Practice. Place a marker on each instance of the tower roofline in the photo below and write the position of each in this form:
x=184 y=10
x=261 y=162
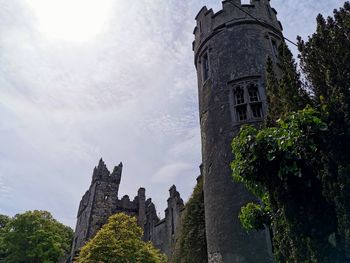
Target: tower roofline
x=234 y=13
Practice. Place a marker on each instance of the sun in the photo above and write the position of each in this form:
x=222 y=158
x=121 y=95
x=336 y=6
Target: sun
x=71 y=20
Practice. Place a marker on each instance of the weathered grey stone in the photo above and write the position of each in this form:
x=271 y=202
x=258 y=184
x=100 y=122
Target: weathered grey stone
x=231 y=50
x=101 y=201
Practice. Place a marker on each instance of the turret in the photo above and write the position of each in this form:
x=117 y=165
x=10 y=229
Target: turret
x=231 y=48
x=98 y=204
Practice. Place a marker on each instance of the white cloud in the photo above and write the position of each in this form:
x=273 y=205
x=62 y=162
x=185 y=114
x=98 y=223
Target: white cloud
x=170 y=172
x=129 y=94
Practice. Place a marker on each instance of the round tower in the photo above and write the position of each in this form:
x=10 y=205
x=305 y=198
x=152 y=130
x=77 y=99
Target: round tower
x=231 y=48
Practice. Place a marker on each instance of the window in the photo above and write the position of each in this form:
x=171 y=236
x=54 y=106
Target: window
x=241 y=113
x=205 y=67
x=253 y=92
x=274 y=47
x=239 y=95
x=247 y=101
x=172 y=222
x=256 y=111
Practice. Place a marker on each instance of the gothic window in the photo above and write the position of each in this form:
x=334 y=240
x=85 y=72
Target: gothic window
x=253 y=92
x=205 y=66
x=239 y=95
x=256 y=110
x=241 y=113
x=247 y=101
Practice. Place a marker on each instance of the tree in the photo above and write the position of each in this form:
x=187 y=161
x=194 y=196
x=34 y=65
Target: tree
x=325 y=61
x=287 y=93
x=4 y=221
x=35 y=237
x=280 y=165
x=192 y=244
x=119 y=241
x=298 y=164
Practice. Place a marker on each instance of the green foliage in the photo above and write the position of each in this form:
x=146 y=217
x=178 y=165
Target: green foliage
x=4 y=221
x=192 y=244
x=119 y=241
x=281 y=165
x=287 y=93
x=34 y=236
x=254 y=216
x=325 y=61
x=298 y=165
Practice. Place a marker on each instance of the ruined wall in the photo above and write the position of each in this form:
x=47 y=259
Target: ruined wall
x=165 y=231
x=231 y=49
x=101 y=201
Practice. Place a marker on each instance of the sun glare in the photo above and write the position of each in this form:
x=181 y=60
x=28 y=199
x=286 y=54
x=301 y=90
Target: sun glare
x=71 y=20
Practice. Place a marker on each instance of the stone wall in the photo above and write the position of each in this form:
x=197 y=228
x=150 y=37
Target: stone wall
x=101 y=201
x=230 y=51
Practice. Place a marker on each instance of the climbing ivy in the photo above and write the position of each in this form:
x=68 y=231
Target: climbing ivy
x=191 y=244
x=298 y=165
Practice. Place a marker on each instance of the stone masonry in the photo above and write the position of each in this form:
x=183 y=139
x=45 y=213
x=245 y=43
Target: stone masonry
x=231 y=48
x=101 y=201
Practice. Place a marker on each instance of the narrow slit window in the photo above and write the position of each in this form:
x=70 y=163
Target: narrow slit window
x=172 y=222
x=239 y=95
x=205 y=66
x=242 y=113
x=257 y=111
x=253 y=93
x=274 y=47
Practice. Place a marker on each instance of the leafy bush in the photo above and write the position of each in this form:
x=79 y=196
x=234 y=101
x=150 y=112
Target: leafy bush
x=34 y=236
x=119 y=241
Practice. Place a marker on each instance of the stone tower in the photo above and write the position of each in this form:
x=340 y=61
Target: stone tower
x=97 y=204
x=231 y=49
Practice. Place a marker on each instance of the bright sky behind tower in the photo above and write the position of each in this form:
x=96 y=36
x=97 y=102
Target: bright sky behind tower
x=84 y=79
x=71 y=20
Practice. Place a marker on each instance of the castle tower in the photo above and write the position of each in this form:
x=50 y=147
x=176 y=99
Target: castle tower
x=231 y=49
x=97 y=204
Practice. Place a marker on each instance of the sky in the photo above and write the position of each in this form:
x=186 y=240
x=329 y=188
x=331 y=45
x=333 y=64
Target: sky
x=85 y=79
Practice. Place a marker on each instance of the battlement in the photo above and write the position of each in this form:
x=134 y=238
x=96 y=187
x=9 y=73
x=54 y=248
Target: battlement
x=233 y=12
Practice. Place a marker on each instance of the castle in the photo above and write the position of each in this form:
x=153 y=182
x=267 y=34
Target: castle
x=101 y=201
x=231 y=48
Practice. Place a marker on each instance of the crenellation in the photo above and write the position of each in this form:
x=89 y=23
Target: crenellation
x=233 y=12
